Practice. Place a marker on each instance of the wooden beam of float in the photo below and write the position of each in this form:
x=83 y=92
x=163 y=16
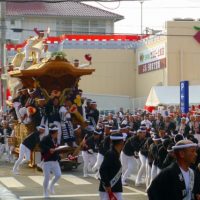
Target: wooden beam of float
x=53 y=74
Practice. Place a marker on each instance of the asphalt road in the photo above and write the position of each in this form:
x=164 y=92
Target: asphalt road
x=72 y=186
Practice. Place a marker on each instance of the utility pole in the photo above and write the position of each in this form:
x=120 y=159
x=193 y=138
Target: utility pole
x=3 y=56
x=141 y=6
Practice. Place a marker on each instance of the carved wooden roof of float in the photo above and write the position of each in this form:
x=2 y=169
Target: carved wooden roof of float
x=53 y=73
x=53 y=68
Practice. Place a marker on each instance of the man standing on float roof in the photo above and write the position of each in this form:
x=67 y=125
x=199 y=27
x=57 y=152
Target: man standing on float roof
x=177 y=181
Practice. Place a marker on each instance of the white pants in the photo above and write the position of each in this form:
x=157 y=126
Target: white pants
x=98 y=163
x=59 y=131
x=89 y=161
x=138 y=163
x=104 y=195
x=148 y=173
x=24 y=156
x=44 y=123
x=10 y=157
x=17 y=106
x=48 y=167
x=127 y=165
x=154 y=172
x=141 y=171
x=2 y=148
x=124 y=160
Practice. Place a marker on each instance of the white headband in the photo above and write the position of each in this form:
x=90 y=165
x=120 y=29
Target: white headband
x=164 y=139
x=98 y=133
x=53 y=129
x=116 y=137
x=41 y=127
x=184 y=146
x=156 y=139
x=109 y=126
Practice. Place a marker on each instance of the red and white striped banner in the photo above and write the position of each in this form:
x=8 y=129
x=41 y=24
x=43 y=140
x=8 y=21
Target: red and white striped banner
x=62 y=38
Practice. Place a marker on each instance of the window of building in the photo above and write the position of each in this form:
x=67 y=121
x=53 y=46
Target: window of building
x=12 y=22
x=97 y=30
x=64 y=26
x=80 y=26
x=97 y=23
x=97 y=26
x=67 y=25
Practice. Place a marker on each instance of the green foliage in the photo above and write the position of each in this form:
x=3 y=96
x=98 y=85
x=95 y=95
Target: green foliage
x=59 y=54
x=197 y=28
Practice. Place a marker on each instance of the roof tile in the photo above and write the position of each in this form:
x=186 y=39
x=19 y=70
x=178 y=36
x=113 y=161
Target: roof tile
x=62 y=9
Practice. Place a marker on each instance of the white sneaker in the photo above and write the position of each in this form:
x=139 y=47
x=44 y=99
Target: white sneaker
x=74 y=144
x=66 y=145
x=15 y=172
x=124 y=183
x=97 y=175
x=94 y=169
x=138 y=184
x=46 y=195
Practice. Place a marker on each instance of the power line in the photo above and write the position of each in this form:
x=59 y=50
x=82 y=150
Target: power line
x=109 y=7
x=60 y=1
x=161 y=7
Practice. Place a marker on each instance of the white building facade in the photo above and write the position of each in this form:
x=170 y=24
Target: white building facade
x=61 y=18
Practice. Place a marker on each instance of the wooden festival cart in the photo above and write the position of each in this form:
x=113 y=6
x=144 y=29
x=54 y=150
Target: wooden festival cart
x=52 y=74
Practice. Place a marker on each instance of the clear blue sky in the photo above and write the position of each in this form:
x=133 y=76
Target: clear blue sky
x=155 y=13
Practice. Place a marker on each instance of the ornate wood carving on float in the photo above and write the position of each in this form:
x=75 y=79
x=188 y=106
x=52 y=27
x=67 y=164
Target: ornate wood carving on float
x=53 y=76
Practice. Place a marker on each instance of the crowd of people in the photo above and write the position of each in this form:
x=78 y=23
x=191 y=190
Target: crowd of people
x=149 y=141
x=54 y=121
x=114 y=142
